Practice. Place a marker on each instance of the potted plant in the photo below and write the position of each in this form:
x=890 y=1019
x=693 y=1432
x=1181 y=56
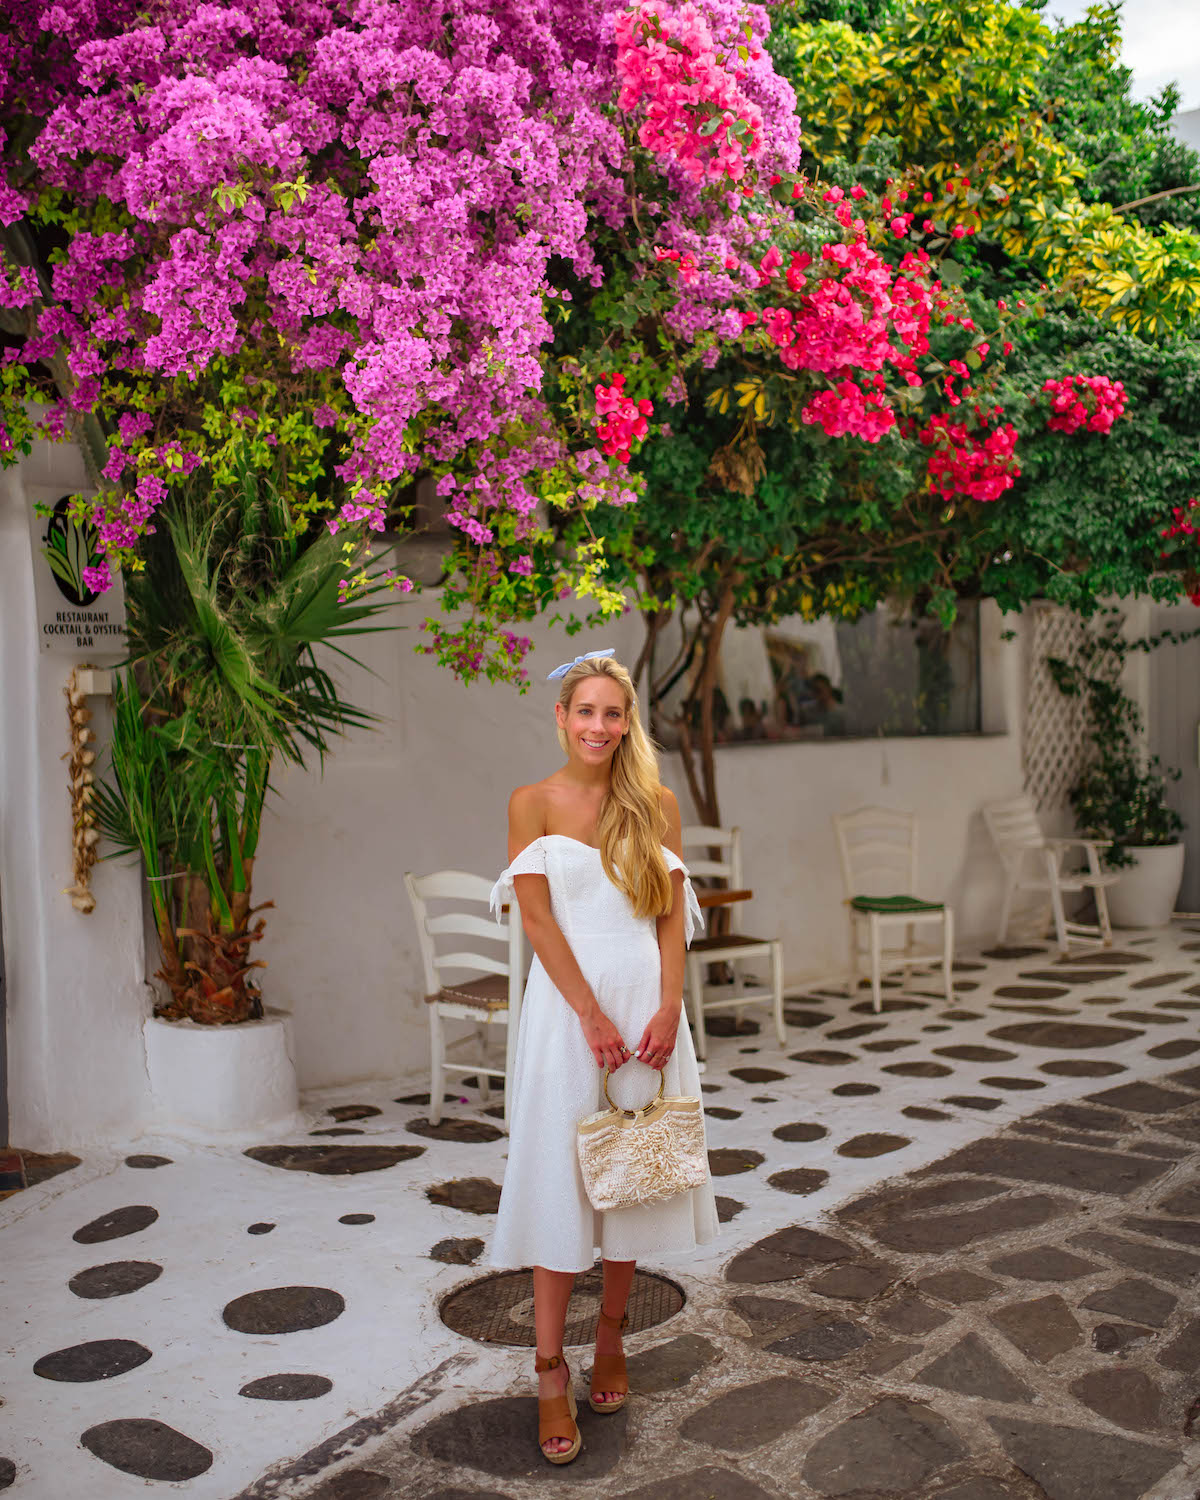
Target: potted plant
x=221 y=683
x=1121 y=795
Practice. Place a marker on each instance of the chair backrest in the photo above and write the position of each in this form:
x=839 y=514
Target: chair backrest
x=1014 y=827
x=727 y=867
x=877 y=847
x=464 y=891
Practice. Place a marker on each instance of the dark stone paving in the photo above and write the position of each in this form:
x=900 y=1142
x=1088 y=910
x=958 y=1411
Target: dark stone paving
x=147 y=1449
x=115 y=1225
x=333 y=1161
x=728 y=1161
x=457 y=1252
x=1072 y=1463
x=751 y=1415
x=894 y=1440
x=283 y=1309
x=472 y=1195
x=101 y=1359
x=1017 y=1321
x=287 y=1387
x=116 y=1279
x=473 y=1132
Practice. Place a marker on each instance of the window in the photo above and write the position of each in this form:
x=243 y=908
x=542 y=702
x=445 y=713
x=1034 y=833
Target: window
x=882 y=674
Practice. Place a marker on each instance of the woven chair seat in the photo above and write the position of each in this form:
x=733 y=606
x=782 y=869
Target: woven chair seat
x=489 y=993
x=730 y=940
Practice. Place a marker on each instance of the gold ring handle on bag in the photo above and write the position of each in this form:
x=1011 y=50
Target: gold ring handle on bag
x=632 y=1114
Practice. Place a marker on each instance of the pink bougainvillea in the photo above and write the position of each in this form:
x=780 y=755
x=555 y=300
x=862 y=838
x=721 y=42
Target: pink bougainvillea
x=359 y=207
x=1084 y=402
x=978 y=461
x=623 y=420
x=695 y=110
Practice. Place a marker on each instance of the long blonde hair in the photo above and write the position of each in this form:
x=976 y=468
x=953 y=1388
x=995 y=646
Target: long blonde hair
x=631 y=825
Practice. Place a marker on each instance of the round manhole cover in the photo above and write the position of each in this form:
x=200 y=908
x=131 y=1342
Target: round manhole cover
x=498 y=1309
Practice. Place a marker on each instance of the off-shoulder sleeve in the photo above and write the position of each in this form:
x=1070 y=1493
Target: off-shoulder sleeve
x=530 y=861
x=693 y=917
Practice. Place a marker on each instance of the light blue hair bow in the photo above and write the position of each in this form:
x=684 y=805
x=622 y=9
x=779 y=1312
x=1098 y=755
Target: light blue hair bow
x=567 y=665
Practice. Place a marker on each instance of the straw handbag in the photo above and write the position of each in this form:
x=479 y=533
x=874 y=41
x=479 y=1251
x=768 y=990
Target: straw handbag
x=630 y=1156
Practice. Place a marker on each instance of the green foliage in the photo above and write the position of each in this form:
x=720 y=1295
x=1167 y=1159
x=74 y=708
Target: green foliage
x=222 y=681
x=1028 y=133
x=1127 y=146
x=1084 y=520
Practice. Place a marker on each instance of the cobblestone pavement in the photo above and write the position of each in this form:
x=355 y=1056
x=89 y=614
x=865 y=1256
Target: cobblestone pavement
x=1014 y=1321
x=957 y=1262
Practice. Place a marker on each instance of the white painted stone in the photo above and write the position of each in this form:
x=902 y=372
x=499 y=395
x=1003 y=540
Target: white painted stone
x=390 y=1338
x=222 y=1081
x=428 y=789
x=1145 y=894
x=75 y=985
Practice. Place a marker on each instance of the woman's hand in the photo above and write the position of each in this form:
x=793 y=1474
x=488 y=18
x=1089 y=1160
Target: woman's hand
x=658 y=1039
x=604 y=1039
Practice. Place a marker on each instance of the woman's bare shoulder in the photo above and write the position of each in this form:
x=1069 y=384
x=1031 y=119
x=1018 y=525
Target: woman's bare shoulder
x=526 y=816
x=669 y=806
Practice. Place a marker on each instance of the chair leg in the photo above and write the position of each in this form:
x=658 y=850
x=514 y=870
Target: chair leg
x=437 y=1059
x=908 y=948
x=876 y=967
x=1010 y=887
x=695 y=974
x=1106 y=933
x=777 y=987
x=485 y=1083
x=852 y=970
x=948 y=953
x=1060 y=921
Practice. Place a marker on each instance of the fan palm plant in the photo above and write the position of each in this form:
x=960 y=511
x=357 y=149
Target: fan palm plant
x=221 y=684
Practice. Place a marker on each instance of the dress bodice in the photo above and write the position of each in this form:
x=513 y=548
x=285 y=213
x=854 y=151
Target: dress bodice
x=584 y=901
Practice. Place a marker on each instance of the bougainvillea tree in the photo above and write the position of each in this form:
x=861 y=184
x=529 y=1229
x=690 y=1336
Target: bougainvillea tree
x=345 y=233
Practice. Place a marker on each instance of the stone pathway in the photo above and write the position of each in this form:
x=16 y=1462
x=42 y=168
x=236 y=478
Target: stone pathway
x=261 y=1320
x=1017 y=1321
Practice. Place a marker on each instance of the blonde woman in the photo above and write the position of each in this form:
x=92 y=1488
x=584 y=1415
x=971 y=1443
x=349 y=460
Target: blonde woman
x=595 y=862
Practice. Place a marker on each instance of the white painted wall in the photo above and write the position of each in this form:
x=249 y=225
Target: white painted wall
x=75 y=991
x=429 y=790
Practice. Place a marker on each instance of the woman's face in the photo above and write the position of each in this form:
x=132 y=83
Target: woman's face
x=595 y=721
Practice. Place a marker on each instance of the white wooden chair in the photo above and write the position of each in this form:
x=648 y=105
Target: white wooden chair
x=732 y=947
x=877 y=847
x=1032 y=862
x=493 y=999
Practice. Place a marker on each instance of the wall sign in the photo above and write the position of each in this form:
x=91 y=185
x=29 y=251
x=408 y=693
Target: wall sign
x=72 y=620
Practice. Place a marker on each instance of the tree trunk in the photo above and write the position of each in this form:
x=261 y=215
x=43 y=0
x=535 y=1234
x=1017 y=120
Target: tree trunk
x=702 y=779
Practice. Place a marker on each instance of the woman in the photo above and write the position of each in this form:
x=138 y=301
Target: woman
x=595 y=861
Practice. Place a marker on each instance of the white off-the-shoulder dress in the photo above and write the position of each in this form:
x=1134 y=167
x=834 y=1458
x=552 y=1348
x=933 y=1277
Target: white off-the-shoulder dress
x=545 y=1218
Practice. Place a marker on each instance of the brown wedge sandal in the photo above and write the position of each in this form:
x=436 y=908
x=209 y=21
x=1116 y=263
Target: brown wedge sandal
x=556 y=1415
x=608 y=1372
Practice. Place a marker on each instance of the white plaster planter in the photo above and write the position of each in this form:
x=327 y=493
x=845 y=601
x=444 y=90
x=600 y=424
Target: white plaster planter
x=1145 y=894
x=222 y=1081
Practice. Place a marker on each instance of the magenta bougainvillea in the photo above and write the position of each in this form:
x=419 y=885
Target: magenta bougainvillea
x=337 y=226
x=352 y=234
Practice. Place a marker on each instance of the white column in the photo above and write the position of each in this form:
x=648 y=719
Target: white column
x=76 y=991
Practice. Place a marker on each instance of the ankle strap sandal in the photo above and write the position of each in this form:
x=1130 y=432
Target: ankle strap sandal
x=608 y=1371
x=556 y=1414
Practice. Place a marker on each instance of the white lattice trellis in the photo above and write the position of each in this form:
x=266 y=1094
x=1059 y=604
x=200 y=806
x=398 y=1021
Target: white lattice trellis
x=1055 y=737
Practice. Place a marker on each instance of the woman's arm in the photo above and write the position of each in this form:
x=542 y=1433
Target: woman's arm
x=658 y=1039
x=525 y=823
